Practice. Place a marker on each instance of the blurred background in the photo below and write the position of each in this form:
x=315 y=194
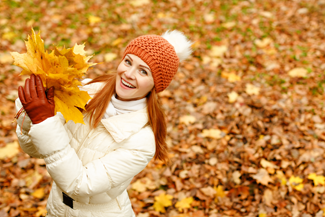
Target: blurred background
x=245 y=112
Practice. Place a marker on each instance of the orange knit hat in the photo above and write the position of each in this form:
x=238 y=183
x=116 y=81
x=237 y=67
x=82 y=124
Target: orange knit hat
x=160 y=56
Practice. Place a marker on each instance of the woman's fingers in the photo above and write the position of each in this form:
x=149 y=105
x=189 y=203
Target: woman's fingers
x=32 y=86
x=50 y=95
x=39 y=87
x=26 y=90
x=33 y=89
x=21 y=94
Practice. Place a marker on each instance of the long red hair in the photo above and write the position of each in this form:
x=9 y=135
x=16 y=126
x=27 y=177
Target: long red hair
x=98 y=104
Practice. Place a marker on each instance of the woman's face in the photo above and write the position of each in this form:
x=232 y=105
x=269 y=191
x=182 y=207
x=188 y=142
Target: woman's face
x=134 y=79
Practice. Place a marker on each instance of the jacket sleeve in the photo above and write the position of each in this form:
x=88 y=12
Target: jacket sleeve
x=66 y=169
x=23 y=126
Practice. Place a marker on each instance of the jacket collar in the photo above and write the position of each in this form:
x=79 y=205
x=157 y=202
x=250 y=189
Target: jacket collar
x=124 y=125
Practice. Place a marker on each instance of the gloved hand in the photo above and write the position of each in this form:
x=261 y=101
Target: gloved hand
x=38 y=106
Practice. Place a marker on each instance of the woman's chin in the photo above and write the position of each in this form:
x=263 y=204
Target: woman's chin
x=123 y=97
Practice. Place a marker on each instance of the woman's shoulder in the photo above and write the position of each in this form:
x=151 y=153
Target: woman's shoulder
x=144 y=139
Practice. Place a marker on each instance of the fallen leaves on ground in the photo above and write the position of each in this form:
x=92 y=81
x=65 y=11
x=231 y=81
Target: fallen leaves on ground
x=298 y=72
x=212 y=133
x=296 y=183
x=161 y=202
x=187 y=119
x=254 y=85
x=262 y=177
x=10 y=150
x=317 y=179
x=184 y=203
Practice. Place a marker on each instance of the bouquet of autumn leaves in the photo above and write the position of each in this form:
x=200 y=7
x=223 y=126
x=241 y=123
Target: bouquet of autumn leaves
x=61 y=68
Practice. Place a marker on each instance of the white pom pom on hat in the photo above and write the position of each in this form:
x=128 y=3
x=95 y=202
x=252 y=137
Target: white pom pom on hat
x=180 y=43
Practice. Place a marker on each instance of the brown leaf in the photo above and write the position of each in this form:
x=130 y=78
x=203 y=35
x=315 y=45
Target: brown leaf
x=262 y=177
x=268 y=197
x=208 y=191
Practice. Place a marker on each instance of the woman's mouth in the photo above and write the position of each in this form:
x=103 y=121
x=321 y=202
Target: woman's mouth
x=126 y=84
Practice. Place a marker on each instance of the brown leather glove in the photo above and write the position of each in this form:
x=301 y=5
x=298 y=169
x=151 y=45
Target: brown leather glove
x=36 y=103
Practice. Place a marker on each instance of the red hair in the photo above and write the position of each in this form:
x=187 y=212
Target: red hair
x=98 y=104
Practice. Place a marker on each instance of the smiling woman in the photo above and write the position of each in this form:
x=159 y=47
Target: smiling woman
x=134 y=79
x=93 y=164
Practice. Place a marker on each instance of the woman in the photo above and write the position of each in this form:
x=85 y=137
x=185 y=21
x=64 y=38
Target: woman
x=93 y=164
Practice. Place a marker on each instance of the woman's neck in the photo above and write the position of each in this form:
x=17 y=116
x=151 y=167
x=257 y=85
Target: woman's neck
x=119 y=98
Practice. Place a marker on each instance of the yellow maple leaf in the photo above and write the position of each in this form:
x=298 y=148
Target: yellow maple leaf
x=162 y=201
x=220 y=192
x=296 y=183
x=10 y=150
x=184 y=203
x=94 y=19
x=39 y=193
x=262 y=215
x=299 y=187
x=317 y=179
x=202 y=100
x=232 y=77
x=281 y=176
x=61 y=68
x=41 y=212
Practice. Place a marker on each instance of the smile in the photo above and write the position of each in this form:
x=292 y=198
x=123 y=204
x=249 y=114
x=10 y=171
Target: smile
x=127 y=84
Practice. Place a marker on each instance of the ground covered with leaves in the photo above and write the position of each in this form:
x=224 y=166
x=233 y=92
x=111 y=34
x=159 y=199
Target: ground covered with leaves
x=245 y=113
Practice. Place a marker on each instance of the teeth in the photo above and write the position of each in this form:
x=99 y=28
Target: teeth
x=127 y=84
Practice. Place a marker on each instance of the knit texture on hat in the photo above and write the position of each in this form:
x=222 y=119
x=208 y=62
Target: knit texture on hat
x=160 y=56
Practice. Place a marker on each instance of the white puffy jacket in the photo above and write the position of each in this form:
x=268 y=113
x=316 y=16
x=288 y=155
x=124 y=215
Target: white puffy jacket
x=92 y=166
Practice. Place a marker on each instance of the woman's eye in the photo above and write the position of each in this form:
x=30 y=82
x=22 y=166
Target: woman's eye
x=128 y=62
x=144 y=72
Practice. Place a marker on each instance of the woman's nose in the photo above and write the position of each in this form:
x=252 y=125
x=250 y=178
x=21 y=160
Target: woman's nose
x=130 y=72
